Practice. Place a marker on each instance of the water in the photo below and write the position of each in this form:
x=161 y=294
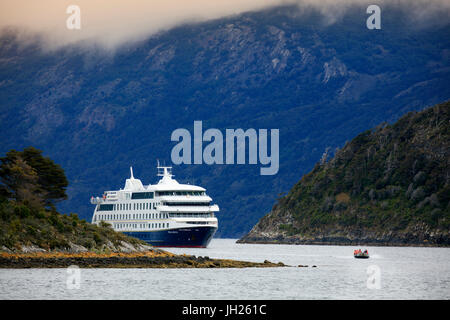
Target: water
x=404 y=273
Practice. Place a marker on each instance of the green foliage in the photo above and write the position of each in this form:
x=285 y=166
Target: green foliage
x=20 y=225
x=51 y=177
x=29 y=177
x=390 y=178
x=31 y=184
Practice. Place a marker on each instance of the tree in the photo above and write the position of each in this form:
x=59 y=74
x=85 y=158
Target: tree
x=28 y=176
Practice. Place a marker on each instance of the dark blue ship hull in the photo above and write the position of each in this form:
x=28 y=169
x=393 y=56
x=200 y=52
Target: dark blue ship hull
x=198 y=237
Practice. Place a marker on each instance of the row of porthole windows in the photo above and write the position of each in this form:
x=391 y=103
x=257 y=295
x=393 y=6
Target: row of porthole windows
x=135 y=206
x=131 y=216
x=140 y=225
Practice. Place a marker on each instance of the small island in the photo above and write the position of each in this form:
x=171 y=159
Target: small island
x=389 y=186
x=34 y=235
x=152 y=258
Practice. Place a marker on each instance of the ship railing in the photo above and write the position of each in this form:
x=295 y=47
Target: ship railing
x=97 y=200
x=193 y=209
x=191 y=215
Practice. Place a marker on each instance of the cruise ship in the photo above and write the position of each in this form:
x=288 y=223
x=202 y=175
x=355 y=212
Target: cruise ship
x=166 y=214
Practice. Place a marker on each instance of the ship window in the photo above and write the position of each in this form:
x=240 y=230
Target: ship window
x=142 y=195
x=105 y=207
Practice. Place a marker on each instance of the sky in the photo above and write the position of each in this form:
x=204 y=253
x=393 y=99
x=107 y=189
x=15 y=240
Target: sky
x=114 y=22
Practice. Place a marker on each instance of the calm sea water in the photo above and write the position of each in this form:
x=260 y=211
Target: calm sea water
x=403 y=273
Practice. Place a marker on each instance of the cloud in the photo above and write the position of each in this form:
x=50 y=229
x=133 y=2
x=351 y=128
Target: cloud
x=113 y=22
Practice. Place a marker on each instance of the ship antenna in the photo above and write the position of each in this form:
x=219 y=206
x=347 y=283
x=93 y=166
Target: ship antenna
x=131 y=170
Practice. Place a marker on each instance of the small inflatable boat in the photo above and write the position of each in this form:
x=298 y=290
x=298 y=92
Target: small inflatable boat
x=358 y=254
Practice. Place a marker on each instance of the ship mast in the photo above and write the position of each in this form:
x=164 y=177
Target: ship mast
x=164 y=171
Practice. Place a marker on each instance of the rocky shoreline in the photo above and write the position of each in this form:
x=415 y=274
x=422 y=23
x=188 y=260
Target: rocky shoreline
x=343 y=241
x=150 y=259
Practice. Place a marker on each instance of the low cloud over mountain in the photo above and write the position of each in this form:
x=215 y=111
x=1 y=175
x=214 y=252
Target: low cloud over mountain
x=114 y=22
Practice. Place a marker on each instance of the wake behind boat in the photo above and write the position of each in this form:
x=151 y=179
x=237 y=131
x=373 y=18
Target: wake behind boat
x=166 y=214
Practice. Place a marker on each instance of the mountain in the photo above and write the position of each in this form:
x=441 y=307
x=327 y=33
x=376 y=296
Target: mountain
x=97 y=112
x=389 y=185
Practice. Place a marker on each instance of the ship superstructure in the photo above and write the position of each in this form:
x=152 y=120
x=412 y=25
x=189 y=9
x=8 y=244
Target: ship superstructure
x=166 y=214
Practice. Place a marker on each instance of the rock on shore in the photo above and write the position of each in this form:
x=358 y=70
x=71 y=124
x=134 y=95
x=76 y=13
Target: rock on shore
x=154 y=258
